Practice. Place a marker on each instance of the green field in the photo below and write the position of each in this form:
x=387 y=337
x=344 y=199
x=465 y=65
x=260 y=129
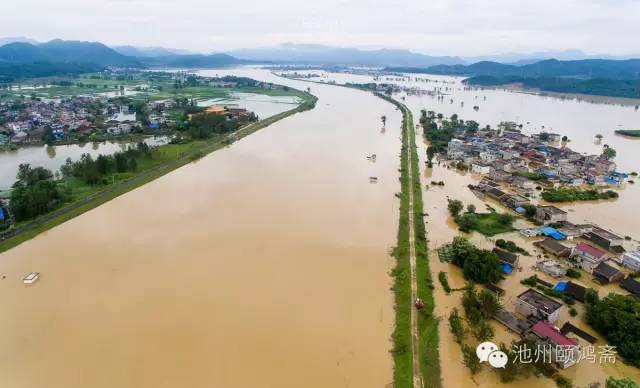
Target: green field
x=142 y=86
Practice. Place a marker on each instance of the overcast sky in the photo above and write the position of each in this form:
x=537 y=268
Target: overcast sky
x=450 y=27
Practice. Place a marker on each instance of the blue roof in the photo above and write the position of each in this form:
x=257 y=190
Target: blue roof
x=553 y=233
x=1 y=214
x=520 y=210
x=506 y=268
x=561 y=286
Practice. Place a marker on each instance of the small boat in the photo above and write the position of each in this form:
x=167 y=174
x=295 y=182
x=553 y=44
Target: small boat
x=31 y=278
x=373 y=179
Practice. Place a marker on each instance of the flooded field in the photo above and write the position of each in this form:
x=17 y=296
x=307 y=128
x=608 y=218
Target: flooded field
x=261 y=104
x=263 y=264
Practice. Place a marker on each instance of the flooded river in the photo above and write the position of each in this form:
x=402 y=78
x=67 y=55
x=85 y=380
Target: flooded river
x=264 y=264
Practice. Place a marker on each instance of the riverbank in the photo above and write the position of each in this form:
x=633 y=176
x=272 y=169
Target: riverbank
x=176 y=156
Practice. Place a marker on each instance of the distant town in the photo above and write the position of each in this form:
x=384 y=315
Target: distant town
x=107 y=105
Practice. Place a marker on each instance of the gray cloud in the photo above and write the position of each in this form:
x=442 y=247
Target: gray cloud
x=457 y=27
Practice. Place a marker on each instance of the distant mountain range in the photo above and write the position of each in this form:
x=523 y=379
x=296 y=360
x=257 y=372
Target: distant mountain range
x=602 y=77
x=14 y=39
x=25 y=58
x=628 y=69
x=20 y=59
x=525 y=59
x=60 y=51
x=326 y=55
x=149 y=52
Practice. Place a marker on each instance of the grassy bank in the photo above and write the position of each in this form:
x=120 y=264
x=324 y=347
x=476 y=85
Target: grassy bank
x=165 y=159
x=428 y=346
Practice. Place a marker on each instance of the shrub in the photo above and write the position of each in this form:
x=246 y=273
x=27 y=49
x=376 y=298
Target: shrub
x=573 y=273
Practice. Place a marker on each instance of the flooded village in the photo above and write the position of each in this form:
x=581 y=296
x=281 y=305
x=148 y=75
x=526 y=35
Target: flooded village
x=523 y=175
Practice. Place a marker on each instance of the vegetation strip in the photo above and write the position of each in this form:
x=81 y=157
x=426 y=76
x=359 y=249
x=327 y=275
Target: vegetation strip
x=21 y=233
x=412 y=234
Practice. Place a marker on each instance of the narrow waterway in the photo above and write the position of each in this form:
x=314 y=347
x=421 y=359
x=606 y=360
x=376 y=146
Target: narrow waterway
x=263 y=264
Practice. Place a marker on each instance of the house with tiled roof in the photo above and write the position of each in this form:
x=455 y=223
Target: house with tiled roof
x=562 y=350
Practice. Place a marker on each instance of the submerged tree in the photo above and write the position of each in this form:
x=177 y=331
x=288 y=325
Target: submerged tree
x=609 y=153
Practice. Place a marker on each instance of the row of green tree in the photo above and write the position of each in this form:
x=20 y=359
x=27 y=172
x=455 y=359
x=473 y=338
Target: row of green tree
x=94 y=171
x=205 y=125
x=570 y=194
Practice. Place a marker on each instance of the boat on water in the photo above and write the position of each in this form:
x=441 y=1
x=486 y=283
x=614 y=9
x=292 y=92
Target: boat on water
x=373 y=179
x=31 y=278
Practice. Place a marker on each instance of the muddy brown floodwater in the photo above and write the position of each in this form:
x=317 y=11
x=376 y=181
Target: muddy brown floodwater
x=264 y=264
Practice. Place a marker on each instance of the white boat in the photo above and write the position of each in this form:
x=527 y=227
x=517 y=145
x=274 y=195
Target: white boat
x=31 y=278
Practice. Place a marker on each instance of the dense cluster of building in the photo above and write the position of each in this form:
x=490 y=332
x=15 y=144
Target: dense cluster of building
x=512 y=157
x=32 y=120
x=516 y=165
x=36 y=120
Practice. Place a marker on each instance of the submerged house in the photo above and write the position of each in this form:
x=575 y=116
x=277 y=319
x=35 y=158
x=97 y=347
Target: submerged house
x=605 y=239
x=531 y=303
x=564 y=351
x=550 y=214
x=631 y=260
x=575 y=291
x=606 y=273
x=506 y=257
x=588 y=256
x=632 y=285
x=551 y=268
x=553 y=247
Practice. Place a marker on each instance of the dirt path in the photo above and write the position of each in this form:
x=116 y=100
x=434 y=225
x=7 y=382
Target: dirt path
x=417 y=375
